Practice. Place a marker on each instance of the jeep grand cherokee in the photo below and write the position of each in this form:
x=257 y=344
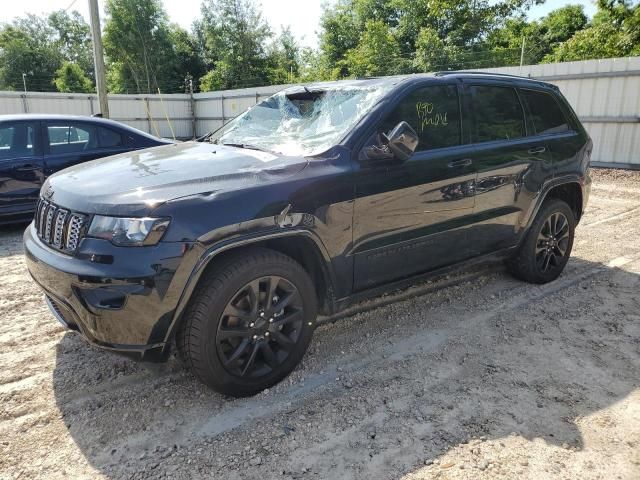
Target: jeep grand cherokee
x=313 y=199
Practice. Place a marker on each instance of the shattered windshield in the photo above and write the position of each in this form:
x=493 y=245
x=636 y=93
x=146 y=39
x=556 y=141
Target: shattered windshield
x=300 y=120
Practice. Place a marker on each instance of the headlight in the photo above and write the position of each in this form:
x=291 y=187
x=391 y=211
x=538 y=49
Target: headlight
x=128 y=231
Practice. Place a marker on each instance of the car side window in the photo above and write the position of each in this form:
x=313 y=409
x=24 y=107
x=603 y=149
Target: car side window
x=109 y=138
x=433 y=112
x=546 y=115
x=498 y=113
x=16 y=140
x=71 y=138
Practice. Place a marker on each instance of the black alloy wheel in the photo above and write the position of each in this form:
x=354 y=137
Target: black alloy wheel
x=249 y=322
x=546 y=247
x=553 y=241
x=259 y=327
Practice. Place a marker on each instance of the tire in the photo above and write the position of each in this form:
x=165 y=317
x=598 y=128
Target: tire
x=542 y=256
x=226 y=342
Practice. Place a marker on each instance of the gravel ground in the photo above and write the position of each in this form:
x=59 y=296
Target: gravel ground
x=474 y=375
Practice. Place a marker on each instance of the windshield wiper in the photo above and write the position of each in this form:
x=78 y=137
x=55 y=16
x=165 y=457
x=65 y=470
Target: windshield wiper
x=246 y=145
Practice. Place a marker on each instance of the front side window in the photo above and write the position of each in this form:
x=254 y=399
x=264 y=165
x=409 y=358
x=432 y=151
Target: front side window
x=71 y=138
x=301 y=120
x=498 y=113
x=433 y=112
x=546 y=115
x=16 y=140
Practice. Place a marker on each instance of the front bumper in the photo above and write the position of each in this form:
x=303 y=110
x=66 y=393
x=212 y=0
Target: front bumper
x=118 y=298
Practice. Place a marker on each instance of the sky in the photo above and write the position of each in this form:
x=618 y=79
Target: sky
x=302 y=15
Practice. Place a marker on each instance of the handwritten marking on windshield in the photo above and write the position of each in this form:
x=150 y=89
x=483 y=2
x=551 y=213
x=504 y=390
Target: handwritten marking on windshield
x=428 y=117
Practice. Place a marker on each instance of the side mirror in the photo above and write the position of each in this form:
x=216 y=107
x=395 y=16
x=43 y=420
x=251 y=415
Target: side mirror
x=402 y=141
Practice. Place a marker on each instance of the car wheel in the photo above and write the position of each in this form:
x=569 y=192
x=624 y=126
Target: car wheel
x=249 y=322
x=547 y=246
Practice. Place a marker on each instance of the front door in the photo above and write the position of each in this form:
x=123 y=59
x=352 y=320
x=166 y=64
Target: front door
x=411 y=217
x=21 y=167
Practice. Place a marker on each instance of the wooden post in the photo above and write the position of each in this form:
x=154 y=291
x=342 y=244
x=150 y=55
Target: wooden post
x=98 y=58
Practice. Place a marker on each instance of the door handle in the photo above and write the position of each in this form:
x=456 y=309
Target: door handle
x=537 y=150
x=465 y=162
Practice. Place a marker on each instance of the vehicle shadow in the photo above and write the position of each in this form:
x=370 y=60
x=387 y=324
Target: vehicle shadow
x=529 y=369
x=11 y=238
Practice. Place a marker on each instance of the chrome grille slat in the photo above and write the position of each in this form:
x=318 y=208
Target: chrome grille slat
x=51 y=212
x=59 y=228
x=73 y=232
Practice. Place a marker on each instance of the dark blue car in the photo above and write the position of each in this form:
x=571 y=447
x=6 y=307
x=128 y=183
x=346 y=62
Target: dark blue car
x=32 y=147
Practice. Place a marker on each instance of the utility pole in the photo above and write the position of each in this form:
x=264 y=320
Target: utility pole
x=522 y=54
x=98 y=58
x=24 y=97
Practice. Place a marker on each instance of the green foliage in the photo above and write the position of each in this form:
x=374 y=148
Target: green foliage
x=384 y=37
x=71 y=78
x=232 y=46
x=73 y=39
x=377 y=53
x=39 y=46
x=234 y=35
x=26 y=46
x=144 y=51
x=613 y=32
x=283 y=58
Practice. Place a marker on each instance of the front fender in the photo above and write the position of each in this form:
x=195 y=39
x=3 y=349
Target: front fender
x=225 y=239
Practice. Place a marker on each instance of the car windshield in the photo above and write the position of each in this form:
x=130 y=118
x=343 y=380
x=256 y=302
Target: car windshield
x=300 y=120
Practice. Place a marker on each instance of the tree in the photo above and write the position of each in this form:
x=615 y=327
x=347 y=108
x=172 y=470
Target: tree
x=613 y=32
x=420 y=33
x=72 y=37
x=377 y=52
x=234 y=35
x=188 y=62
x=71 y=78
x=283 y=57
x=541 y=37
x=26 y=47
x=138 y=44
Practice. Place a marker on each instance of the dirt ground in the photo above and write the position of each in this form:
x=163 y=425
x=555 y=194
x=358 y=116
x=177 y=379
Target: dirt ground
x=474 y=375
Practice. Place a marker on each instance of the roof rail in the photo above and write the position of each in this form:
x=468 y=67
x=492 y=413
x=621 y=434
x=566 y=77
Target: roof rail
x=470 y=72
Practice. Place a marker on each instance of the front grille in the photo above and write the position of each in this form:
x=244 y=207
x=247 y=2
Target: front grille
x=59 y=228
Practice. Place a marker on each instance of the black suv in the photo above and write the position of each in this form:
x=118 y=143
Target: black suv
x=313 y=199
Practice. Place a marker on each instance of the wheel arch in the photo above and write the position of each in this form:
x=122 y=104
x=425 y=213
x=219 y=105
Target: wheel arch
x=569 y=189
x=570 y=193
x=302 y=246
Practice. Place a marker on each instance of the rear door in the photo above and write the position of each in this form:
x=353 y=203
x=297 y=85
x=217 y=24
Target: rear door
x=551 y=123
x=71 y=142
x=411 y=216
x=511 y=162
x=21 y=166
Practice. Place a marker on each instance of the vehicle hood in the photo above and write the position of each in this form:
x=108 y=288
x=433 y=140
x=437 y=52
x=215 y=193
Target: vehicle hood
x=135 y=183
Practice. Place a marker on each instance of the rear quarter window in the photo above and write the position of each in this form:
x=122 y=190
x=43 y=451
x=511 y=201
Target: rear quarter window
x=109 y=138
x=546 y=114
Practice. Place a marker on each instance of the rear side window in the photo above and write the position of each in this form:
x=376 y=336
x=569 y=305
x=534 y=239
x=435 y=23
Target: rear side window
x=109 y=138
x=71 y=138
x=16 y=140
x=545 y=112
x=498 y=113
x=433 y=112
